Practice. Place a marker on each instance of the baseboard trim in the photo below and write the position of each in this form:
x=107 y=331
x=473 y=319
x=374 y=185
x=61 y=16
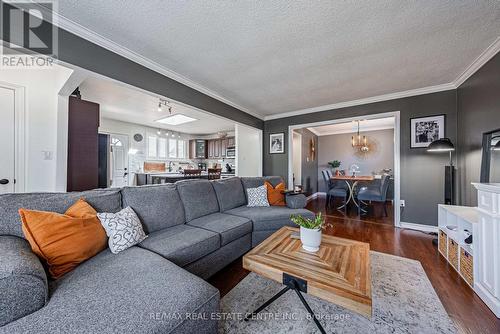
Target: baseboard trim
x=419 y=227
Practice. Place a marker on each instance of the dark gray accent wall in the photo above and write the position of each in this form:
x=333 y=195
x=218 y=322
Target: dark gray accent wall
x=422 y=173
x=478 y=112
x=309 y=167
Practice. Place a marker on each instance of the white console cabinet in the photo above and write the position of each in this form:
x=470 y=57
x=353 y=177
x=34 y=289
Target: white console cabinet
x=487 y=244
x=477 y=263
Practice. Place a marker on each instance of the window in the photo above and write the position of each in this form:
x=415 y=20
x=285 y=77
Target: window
x=180 y=149
x=162 y=147
x=172 y=148
x=152 y=146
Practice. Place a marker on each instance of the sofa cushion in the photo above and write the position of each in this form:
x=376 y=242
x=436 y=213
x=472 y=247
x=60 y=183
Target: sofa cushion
x=182 y=244
x=269 y=218
x=63 y=241
x=132 y=291
x=158 y=206
x=124 y=229
x=23 y=282
x=10 y=222
x=230 y=193
x=254 y=182
x=228 y=226
x=198 y=198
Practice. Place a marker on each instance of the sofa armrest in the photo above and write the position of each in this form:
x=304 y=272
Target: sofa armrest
x=296 y=201
x=23 y=281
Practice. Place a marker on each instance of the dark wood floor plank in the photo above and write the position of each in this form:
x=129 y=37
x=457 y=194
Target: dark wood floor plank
x=465 y=308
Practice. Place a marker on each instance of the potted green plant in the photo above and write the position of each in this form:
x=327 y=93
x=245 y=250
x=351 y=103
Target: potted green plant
x=310 y=231
x=335 y=164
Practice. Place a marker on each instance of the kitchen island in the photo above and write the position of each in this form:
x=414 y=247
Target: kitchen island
x=169 y=177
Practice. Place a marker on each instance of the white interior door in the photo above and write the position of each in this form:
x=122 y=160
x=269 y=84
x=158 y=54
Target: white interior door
x=119 y=160
x=297 y=158
x=7 y=140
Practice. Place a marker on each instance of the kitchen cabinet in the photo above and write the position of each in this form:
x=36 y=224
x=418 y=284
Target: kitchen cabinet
x=211 y=149
x=223 y=147
x=217 y=148
x=198 y=149
x=83 y=145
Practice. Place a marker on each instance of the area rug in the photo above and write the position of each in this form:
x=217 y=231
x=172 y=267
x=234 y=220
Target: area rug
x=402 y=295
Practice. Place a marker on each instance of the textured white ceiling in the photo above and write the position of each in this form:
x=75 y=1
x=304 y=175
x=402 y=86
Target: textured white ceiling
x=278 y=55
x=125 y=104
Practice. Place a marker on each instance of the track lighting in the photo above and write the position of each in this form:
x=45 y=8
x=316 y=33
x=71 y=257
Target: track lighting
x=164 y=103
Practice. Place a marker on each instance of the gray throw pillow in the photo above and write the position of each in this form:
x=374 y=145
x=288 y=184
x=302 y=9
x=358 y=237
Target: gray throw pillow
x=124 y=229
x=257 y=196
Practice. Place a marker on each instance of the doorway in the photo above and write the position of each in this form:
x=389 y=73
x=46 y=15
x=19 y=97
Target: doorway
x=118 y=160
x=113 y=160
x=297 y=158
x=12 y=138
x=350 y=167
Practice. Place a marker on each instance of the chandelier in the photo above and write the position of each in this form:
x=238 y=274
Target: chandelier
x=358 y=142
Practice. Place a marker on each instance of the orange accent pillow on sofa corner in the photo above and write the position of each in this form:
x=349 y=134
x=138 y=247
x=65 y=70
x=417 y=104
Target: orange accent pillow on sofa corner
x=274 y=195
x=64 y=240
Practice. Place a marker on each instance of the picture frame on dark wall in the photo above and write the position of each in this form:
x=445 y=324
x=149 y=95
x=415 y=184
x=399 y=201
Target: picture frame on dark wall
x=424 y=130
x=277 y=143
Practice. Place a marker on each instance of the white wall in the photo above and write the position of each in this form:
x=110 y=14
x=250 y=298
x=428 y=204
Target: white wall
x=248 y=151
x=41 y=122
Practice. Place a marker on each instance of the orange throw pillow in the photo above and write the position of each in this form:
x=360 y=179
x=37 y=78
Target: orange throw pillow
x=64 y=240
x=274 y=195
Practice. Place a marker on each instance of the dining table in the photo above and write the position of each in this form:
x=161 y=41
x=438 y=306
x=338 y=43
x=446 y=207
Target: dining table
x=352 y=181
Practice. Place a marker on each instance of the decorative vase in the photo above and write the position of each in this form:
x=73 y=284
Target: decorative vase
x=310 y=238
x=337 y=172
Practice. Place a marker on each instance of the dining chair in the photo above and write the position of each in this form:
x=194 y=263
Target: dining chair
x=192 y=173
x=214 y=173
x=374 y=194
x=333 y=189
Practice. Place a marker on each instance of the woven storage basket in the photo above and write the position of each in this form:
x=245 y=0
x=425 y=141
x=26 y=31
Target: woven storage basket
x=453 y=253
x=443 y=243
x=466 y=266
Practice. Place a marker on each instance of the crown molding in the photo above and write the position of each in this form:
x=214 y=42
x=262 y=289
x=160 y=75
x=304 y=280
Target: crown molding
x=85 y=33
x=373 y=99
x=482 y=59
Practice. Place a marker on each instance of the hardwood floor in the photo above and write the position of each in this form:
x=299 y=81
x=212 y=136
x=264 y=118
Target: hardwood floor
x=465 y=308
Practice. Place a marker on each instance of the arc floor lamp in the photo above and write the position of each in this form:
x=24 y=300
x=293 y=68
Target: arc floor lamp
x=445 y=145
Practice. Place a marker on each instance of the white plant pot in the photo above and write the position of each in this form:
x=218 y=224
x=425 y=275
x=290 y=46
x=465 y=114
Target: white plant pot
x=311 y=239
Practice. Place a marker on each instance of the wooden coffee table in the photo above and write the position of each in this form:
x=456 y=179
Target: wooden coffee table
x=339 y=272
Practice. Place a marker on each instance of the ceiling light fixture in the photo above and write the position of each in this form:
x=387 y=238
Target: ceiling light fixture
x=359 y=143
x=165 y=103
x=176 y=119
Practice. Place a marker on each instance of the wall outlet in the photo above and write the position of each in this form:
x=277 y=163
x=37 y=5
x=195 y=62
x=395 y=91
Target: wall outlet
x=402 y=203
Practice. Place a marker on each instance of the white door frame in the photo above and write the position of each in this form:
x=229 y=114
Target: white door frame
x=110 y=166
x=20 y=135
x=397 y=152
x=297 y=180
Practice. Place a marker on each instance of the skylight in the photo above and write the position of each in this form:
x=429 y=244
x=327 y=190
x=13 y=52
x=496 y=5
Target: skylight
x=176 y=119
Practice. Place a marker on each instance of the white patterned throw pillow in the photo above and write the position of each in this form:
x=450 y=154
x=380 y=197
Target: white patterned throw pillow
x=257 y=196
x=124 y=229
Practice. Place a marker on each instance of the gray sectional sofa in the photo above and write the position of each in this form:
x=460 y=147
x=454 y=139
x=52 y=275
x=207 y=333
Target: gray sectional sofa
x=194 y=227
